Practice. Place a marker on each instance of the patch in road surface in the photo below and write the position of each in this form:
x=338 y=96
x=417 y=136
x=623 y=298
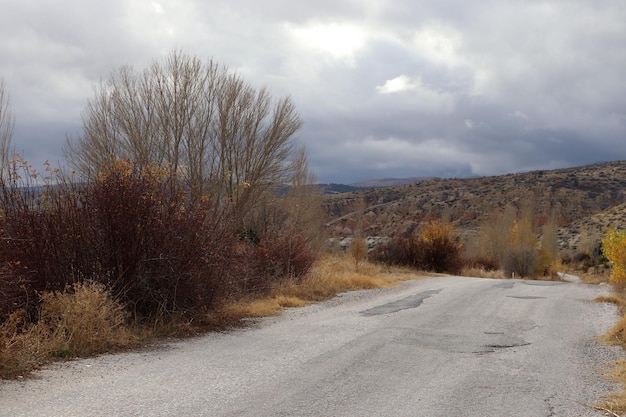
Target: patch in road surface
x=412 y=301
x=526 y=297
x=436 y=339
x=510 y=284
x=510 y=343
x=505 y=284
x=543 y=283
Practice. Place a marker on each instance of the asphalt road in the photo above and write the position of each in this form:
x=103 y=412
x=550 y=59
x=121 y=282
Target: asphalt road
x=437 y=347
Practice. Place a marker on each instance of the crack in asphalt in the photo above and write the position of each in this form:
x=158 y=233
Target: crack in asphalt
x=526 y=297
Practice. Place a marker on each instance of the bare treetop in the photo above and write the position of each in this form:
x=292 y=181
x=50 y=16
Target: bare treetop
x=7 y=120
x=230 y=140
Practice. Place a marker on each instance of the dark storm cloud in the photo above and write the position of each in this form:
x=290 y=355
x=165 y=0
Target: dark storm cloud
x=386 y=89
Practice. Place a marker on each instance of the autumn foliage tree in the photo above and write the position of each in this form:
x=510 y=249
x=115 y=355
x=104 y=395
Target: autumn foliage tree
x=509 y=240
x=549 y=251
x=438 y=247
x=522 y=257
x=435 y=246
x=614 y=249
x=494 y=236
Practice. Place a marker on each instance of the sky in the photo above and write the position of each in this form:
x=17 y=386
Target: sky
x=386 y=88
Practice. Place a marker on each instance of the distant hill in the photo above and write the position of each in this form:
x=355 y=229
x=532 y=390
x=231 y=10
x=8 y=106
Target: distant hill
x=337 y=188
x=585 y=201
x=375 y=183
x=389 y=182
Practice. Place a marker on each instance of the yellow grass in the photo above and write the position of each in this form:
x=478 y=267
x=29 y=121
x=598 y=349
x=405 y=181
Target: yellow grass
x=331 y=275
x=592 y=278
x=616 y=335
x=81 y=321
x=616 y=299
x=481 y=273
x=615 y=403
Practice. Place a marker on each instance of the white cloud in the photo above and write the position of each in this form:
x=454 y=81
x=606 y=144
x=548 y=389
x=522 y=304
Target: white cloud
x=156 y=7
x=419 y=97
x=439 y=43
x=399 y=84
x=336 y=41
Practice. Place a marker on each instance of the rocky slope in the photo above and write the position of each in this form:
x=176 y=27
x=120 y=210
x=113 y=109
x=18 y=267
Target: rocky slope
x=584 y=200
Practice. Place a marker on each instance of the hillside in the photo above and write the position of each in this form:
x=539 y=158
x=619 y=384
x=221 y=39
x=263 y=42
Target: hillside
x=585 y=201
x=388 y=182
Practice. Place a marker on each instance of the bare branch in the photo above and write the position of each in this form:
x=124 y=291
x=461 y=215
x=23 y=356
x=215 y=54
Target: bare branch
x=231 y=141
x=7 y=122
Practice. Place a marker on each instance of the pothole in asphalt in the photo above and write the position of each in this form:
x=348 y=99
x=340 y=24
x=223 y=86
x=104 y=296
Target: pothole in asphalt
x=412 y=301
x=507 y=344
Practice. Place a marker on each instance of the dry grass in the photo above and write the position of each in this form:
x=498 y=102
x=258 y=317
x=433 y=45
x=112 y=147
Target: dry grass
x=83 y=320
x=329 y=276
x=616 y=299
x=19 y=351
x=481 y=273
x=616 y=336
x=615 y=403
x=256 y=308
x=592 y=278
x=500 y=274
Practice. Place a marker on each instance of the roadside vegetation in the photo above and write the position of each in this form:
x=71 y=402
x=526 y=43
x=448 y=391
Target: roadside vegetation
x=510 y=244
x=188 y=207
x=433 y=247
x=85 y=319
x=98 y=266
x=614 y=249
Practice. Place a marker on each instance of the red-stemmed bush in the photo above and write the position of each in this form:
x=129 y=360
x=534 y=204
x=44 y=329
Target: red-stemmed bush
x=281 y=253
x=137 y=232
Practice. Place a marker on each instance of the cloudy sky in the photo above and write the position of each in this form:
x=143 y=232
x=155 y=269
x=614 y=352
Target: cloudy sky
x=386 y=88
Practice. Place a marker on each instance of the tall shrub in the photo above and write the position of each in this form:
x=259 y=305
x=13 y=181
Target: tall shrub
x=438 y=248
x=281 y=253
x=522 y=257
x=434 y=247
x=614 y=249
x=136 y=231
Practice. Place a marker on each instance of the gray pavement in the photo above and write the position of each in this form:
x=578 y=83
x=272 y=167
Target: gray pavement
x=437 y=347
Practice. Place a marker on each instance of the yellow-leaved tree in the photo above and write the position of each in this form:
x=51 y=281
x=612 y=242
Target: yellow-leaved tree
x=437 y=247
x=614 y=248
x=521 y=258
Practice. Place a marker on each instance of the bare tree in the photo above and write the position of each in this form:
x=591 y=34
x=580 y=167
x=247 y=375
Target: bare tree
x=7 y=120
x=494 y=234
x=550 y=238
x=303 y=203
x=231 y=141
